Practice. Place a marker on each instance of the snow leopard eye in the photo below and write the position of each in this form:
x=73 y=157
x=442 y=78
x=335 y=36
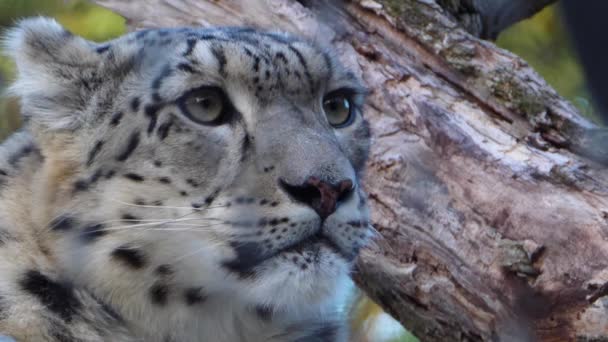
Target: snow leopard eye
x=206 y=106
x=338 y=108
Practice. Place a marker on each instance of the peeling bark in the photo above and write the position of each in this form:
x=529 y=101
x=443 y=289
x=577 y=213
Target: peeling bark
x=487 y=187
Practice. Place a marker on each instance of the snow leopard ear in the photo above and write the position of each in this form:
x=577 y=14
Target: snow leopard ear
x=53 y=68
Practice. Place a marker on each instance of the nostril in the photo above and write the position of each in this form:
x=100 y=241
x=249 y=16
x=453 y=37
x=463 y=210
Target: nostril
x=304 y=193
x=322 y=196
x=345 y=189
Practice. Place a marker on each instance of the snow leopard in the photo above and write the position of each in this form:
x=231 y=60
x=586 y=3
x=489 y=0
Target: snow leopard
x=180 y=184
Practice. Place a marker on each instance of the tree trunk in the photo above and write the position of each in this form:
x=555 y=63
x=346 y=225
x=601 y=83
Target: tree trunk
x=491 y=200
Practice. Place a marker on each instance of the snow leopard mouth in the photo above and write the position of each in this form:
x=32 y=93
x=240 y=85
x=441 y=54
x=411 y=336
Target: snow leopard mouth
x=249 y=255
x=316 y=240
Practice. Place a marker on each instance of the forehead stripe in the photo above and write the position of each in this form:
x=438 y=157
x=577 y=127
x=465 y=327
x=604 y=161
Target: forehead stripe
x=218 y=53
x=302 y=61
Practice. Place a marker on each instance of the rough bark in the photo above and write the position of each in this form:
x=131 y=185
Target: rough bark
x=491 y=201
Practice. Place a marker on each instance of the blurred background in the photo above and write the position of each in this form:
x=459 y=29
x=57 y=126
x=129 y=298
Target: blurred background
x=542 y=41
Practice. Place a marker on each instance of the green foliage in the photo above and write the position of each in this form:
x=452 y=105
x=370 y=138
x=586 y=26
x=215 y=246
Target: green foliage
x=79 y=16
x=407 y=337
x=544 y=43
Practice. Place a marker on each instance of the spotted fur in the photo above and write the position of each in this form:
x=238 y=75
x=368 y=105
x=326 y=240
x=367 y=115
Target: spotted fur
x=124 y=219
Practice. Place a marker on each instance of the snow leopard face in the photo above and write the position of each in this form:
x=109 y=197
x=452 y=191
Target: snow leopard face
x=191 y=166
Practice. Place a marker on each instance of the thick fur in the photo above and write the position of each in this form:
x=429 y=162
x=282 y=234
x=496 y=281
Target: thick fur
x=123 y=220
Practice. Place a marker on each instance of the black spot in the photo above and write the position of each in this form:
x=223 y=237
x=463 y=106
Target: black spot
x=183 y=193
x=140 y=201
x=95 y=177
x=244 y=200
x=152 y=114
x=23 y=152
x=164 y=270
x=281 y=56
x=191 y=44
x=3 y=173
x=186 y=67
x=130 y=218
x=134 y=177
x=58 y=298
x=131 y=146
x=165 y=180
x=110 y=174
x=102 y=49
x=194 y=295
x=158 y=163
x=81 y=185
x=92 y=232
x=115 y=119
x=245 y=145
x=94 y=151
x=159 y=293
x=135 y=102
x=264 y=312
x=256 y=64
x=248 y=255
x=163 y=130
x=130 y=256
x=192 y=182
x=63 y=223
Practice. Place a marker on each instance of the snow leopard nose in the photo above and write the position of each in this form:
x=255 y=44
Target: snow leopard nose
x=320 y=195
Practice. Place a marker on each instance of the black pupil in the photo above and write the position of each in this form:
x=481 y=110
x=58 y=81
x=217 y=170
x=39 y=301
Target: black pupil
x=205 y=102
x=334 y=105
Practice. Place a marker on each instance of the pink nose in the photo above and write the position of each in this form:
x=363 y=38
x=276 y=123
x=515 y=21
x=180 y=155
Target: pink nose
x=320 y=195
x=329 y=195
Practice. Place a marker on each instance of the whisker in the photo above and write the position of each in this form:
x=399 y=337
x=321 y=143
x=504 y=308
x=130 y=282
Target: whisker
x=165 y=207
x=147 y=228
x=375 y=232
x=162 y=220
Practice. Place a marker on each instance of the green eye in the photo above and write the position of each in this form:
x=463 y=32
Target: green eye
x=205 y=106
x=338 y=110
